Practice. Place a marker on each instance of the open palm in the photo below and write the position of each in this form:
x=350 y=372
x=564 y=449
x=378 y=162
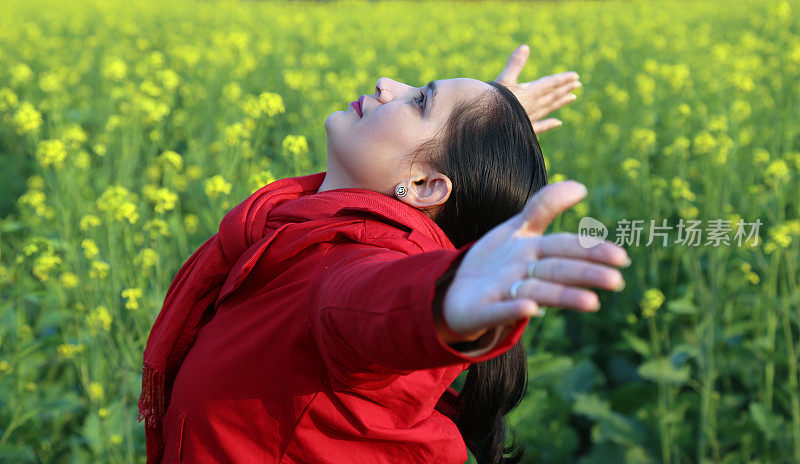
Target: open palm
x=478 y=297
x=542 y=96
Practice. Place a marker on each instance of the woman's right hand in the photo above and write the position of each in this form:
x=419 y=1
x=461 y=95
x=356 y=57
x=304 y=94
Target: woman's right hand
x=478 y=297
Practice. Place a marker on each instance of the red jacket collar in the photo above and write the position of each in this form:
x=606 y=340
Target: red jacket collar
x=299 y=202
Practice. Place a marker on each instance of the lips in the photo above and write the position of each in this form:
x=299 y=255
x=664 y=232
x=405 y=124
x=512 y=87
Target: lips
x=357 y=106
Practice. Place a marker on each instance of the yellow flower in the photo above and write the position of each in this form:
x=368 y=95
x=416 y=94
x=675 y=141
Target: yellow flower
x=631 y=167
x=49 y=82
x=684 y=109
x=157 y=227
x=5 y=366
x=651 y=301
x=681 y=190
x=21 y=74
x=82 y=160
x=295 y=144
x=127 y=210
x=231 y=92
x=115 y=69
x=216 y=186
x=777 y=173
x=43 y=265
x=643 y=139
x=35 y=183
x=689 y=212
x=8 y=99
x=95 y=391
x=35 y=199
x=74 y=136
x=100 y=149
x=780 y=234
x=193 y=172
x=679 y=146
x=235 y=134
x=116 y=439
x=118 y=202
x=102 y=412
x=98 y=319
x=554 y=178
x=51 y=152
x=172 y=158
x=99 y=270
x=68 y=350
x=90 y=249
x=89 y=221
x=718 y=123
x=190 y=222
x=69 y=280
x=165 y=200
x=761 y=156
x=271 y=103
x=26 y=119
x=146 y=258
x=132 y=296
x=741 y=110
x=646 y=87
x=704 y=143
x=30 y=249
x=260 y=179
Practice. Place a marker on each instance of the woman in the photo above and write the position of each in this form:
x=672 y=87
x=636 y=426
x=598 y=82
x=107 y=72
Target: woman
x=326 y=320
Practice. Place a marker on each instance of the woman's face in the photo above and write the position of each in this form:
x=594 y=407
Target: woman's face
x=371 y=151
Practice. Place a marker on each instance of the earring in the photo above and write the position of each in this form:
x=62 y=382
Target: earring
x=401 y=190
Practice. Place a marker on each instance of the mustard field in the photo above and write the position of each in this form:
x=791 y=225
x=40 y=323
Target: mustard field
x=129 y=129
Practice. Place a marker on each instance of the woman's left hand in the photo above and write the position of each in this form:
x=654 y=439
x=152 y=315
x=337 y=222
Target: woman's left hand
x=542 y=96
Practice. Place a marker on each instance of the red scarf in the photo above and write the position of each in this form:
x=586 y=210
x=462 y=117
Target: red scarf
x=193 y=295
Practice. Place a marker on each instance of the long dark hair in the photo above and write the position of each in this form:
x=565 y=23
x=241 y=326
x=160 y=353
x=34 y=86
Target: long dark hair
x=490 y=153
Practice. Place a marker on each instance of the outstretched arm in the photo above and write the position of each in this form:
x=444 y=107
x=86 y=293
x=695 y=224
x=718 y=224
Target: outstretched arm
x=542 y=96
x=373 y=314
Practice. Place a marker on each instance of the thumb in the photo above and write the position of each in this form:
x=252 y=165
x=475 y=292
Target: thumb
x=549 y=202
x=514 y=65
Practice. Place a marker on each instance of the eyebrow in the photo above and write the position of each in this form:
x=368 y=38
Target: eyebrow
x=432 y=87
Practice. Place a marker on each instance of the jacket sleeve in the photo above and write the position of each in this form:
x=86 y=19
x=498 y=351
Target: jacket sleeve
x=372 y=313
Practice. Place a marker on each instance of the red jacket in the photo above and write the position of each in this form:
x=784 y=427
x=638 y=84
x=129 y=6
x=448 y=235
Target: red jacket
x=323 y=347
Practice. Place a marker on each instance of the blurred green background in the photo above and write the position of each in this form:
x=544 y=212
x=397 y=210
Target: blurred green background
x=128 y=130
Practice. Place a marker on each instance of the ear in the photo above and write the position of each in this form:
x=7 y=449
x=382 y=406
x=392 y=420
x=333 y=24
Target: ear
x=428 y=191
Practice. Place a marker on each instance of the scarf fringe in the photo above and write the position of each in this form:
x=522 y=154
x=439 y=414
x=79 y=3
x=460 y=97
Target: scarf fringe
x=152 y=402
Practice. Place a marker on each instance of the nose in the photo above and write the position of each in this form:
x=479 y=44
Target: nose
x=388 y=89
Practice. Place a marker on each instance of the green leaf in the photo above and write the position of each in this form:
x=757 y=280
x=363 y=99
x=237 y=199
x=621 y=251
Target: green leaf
x=15 y=453
x=683 y=306
x=545 y=368
x=769 y=423
x=639 y=345
x=663 y=370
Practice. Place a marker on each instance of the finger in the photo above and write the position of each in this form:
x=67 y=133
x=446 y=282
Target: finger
x=546 y=100
x=549 y=202
x=578 y=273
x=547 y=83
x=546 y=293
x=568 y=98
x=568 y=245
x=545 y=125
x=504 y=313
x=516 y=62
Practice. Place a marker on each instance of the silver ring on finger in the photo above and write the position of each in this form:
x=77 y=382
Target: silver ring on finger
x=514 y=288
x=532 y=268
